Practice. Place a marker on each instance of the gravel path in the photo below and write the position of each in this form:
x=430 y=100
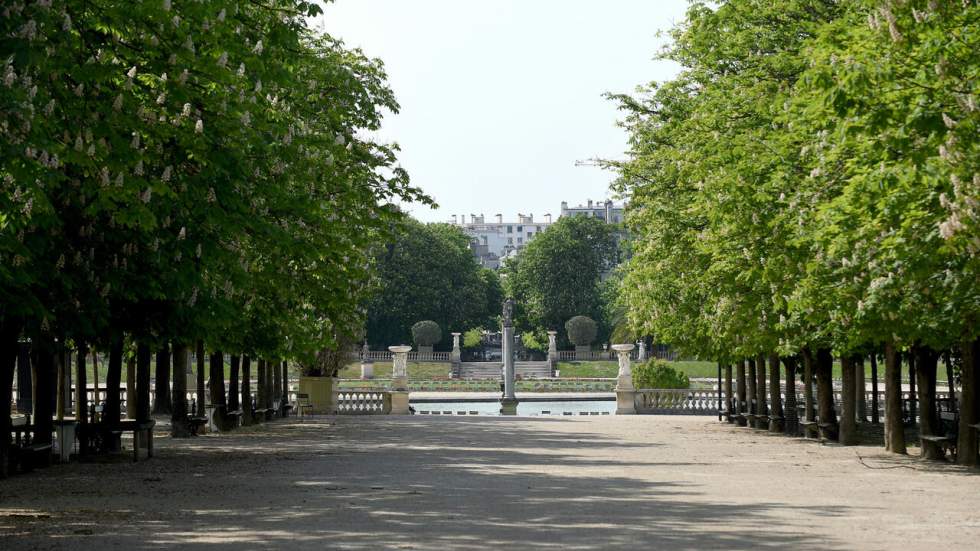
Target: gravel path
x=625 y=482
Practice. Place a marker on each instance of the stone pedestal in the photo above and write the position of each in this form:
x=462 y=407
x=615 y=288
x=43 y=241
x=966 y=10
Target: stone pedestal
x=65 y=433
x=508 y=406
x=625 y=393
x=399 y=402
x=322 y=392
x=367 y=369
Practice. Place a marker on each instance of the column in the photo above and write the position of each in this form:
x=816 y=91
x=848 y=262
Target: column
x=399 y=379
x=625 y=393
x=508 y=403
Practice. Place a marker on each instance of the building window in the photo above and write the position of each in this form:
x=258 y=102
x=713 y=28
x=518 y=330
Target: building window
x=539 y=228
x=510 y=229
x=510 y=240
x=520 y=240
x=484 y=240
x=529 y=235
x=520 y=229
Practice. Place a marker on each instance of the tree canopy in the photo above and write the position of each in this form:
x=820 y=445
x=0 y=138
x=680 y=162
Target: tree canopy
x=558 y=274
x=808 y=180
x=428 y=272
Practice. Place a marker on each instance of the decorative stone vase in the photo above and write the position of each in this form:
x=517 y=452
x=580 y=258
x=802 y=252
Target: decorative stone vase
x=322 y=392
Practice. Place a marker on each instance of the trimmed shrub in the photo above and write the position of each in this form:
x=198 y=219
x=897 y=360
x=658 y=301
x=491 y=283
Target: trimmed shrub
x=581 y=330
x=658 y=374
x=426 y=333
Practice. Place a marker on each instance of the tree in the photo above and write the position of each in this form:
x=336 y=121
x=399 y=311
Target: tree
x=581 y=330
x=427 y=272
x=426 y=333
x=558 y=274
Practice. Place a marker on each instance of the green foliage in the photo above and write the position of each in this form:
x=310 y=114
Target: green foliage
x=581 y=330
x=808 y=180
x=426 y=333
x=558 y=274
x=190 y=170
x=473 y=338
x=427 y=272
x=535 y=340
x=658 y=374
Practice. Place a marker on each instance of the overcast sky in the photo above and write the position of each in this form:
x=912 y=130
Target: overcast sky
x=499 y=99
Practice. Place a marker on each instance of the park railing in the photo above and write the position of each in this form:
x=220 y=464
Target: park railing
x=661 y=401
x=363 y=402
x=610 y=355
x=414 y=356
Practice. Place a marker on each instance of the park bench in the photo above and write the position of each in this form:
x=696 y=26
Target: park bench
x=235 y=417
x=946 y=442
x=24 y=452
x=195 y=423
x=142 y=434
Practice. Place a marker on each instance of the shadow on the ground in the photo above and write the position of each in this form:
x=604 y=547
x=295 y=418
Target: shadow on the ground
x=451 y=483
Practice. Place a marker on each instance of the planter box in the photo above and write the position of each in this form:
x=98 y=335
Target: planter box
x=322 y=392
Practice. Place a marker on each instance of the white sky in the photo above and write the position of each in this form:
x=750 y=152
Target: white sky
x=500 y=98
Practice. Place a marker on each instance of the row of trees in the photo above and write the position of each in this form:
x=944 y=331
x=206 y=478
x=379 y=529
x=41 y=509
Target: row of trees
x=809 y=185
x=176 y=172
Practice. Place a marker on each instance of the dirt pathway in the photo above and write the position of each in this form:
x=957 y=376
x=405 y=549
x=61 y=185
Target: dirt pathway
x=484 y=482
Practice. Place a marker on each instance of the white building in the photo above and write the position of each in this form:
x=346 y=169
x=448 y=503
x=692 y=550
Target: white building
x=495 y=240
x=606 y=210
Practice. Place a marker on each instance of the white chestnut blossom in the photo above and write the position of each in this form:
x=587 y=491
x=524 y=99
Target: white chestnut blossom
x=199 y=127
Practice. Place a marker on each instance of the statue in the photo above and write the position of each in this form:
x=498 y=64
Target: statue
x=509 y=312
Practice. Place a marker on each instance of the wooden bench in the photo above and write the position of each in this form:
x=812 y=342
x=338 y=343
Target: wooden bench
x=28 y=456
x=949 y=426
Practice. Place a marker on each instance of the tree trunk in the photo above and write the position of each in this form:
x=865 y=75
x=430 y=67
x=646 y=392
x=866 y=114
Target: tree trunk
x=913 y=394
x=61 y=380
x=966 y=448
x=753 y=395
x=144 y=357
x=741 y=405
x=25 y=398
x=792 y=427
x=950 y=381
x=81 y=385
x=761 y=422
x=729 y=398
x=161 y=389
x=809 y=409
x=9 y=348
x=776 y=420
x=285 y=385
x=860 y=389
x=925 y=363
x=233 y=391
x=269 y=384
x=131 y=387
x=44 y=374
x=178 y=411
x=217 y=385
x=874 y=388
x=826 y=414
x=277 y=385
x=96 y=399
x=201 y=390
x=261 y=380
x=848 y=428
x=894 y=423
x=113 y=381
x=246 y=390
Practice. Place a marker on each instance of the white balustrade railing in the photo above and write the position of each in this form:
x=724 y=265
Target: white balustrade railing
x=363 y=402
